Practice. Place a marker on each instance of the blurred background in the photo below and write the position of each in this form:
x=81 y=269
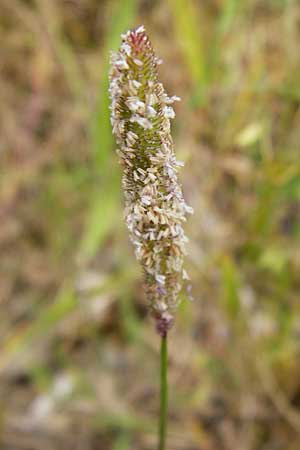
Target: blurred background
x=79 y=356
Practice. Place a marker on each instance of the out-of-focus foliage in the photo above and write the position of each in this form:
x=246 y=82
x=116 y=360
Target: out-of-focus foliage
x=79 y=356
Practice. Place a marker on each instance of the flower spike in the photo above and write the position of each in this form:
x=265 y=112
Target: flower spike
x=154 y=205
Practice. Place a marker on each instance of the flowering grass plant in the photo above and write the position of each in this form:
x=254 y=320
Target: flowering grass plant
x=155 y=209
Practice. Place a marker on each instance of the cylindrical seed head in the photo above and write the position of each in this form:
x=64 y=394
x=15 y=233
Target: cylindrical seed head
x=154 y=205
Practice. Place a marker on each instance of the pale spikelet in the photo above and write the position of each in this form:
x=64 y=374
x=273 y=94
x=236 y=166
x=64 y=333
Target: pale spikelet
x=154 y=205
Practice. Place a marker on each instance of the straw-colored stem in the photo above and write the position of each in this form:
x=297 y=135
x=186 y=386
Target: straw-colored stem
x=163 y=392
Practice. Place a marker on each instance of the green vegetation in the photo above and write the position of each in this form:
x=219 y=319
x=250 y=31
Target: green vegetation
x=79 y=356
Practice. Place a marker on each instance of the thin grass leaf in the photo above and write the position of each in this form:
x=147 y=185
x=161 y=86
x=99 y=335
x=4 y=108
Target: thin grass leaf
x=122 y=17
x=104 y=205
x=188 y=35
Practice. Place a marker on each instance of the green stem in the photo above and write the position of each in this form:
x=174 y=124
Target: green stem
x=163 y=392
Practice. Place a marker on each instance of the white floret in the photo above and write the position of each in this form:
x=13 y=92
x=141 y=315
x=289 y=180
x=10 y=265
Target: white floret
x=142 y=121
x=168 y=112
